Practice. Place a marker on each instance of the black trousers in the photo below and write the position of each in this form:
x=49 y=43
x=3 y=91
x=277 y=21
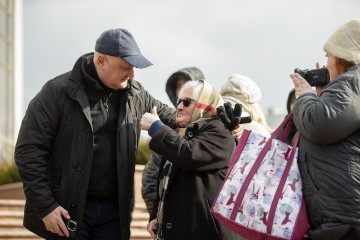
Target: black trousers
x=100 y=221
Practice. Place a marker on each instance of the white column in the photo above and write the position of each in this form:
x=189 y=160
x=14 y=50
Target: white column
x=18 y=93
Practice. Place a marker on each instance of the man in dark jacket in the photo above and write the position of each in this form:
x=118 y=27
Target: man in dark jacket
x=151 y=170
x=78 y=140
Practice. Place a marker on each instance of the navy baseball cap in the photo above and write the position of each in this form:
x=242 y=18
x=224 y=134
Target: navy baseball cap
x=121 y=43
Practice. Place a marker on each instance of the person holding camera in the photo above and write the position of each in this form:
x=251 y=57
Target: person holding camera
x=329 y=148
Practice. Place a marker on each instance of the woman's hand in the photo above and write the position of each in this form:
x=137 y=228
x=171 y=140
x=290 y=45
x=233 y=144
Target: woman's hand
x=150 y=228
x=148 y=119
x=301 y=85
x=232 y=117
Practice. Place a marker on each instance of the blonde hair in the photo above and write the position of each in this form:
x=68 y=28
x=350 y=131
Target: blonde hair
x=257 y=114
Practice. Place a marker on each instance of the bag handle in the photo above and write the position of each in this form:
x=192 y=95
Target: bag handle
x=282 y=132
x=287 y=130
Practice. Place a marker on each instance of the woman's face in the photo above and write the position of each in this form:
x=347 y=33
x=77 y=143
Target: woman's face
x=331 y=66
x=184 y=113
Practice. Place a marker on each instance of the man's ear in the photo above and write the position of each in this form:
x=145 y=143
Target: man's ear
x=100 y=60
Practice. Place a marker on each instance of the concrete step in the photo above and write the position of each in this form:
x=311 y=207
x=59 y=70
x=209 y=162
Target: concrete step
x=137 y=225
x=17 y=233
x=11 y=223
x=140 y=235
x=140 y=216
x=12 y=204
x=12 y=214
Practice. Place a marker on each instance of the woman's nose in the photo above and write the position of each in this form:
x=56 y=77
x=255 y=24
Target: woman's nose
x=180 y=106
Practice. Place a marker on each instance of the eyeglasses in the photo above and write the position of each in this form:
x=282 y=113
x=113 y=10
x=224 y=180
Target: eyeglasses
x=186 y=101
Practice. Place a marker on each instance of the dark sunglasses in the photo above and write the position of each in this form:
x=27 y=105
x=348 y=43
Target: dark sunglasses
x=186 y=101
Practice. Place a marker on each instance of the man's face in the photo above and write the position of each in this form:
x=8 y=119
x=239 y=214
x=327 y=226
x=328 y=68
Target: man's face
x=114 y=72
x=184 y=113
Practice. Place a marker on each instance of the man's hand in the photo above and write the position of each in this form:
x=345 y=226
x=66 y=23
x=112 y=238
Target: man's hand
x=232 y=117
x=148 y=119
x=54 y=223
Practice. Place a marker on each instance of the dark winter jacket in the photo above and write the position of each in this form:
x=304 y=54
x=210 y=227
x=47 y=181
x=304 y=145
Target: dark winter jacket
x=151 y=170
x=54 y=150
x=200 y=161
x=329 y=156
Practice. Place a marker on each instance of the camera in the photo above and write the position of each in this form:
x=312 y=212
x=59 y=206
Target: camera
x=315 y=77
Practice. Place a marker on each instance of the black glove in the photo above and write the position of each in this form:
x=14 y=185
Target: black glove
x=231 y=117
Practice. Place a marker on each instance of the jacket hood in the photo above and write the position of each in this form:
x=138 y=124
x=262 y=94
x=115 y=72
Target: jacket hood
x=189 y=73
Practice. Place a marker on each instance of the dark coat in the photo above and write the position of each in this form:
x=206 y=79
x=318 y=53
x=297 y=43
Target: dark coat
x=200 y=161
x=329 y=156
x=150 y=180
x=54 y=149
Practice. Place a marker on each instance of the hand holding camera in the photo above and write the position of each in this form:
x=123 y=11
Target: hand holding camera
x=301 y=85
x=315 y=77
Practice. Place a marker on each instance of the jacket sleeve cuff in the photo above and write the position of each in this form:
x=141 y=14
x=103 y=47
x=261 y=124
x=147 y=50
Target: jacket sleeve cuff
x=154 y=127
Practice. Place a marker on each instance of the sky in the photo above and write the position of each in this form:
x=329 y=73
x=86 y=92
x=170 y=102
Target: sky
x=262 y=39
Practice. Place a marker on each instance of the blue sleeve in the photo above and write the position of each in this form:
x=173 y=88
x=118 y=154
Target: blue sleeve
x=154 y=127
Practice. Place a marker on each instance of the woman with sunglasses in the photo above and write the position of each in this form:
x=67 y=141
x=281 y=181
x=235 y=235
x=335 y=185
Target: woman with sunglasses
x=151 y=170
x=195 y=160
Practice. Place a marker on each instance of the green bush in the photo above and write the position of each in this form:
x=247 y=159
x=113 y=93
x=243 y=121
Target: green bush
x=9 y=173
x=143 y=154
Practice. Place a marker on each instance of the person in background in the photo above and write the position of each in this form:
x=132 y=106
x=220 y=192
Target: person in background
x=241 y=89
x=289 y=107
x=151 y=169
x=329 y=147
x=290 y=101
x=194 y=164
x=78 y=141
